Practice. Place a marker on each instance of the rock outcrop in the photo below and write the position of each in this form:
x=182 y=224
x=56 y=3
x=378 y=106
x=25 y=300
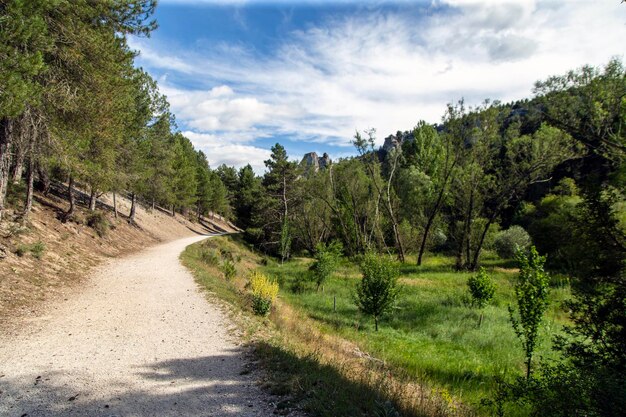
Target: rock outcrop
x=313 y=163
x=396 y=141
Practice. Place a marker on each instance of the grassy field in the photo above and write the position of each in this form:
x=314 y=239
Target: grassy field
x=436 y=360
x=433 y=334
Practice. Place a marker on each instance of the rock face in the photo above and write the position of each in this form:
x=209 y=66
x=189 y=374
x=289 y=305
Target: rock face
x=395 y=141
x=313 y=163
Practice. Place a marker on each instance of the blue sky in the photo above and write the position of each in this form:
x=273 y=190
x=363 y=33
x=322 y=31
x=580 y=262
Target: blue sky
x=242 y=75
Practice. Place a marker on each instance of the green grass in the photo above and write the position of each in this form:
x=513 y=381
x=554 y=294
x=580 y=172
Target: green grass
x=432 y=335
x=297 y=371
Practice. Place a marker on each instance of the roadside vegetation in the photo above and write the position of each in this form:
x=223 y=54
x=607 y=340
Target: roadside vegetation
x=307 y=364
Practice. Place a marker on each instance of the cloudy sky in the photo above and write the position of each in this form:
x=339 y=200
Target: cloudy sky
x=242 y=75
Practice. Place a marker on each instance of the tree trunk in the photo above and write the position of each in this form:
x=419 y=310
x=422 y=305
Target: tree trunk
x=70 y=197
x=460 y=247
x=173 y=211
x=436 y=209
x=114 y=204
x=133 y=208
x=376 y=322
x=44 y=179
x=474 y=263
x=429 y=224
x=31 y=174
x=18 y=168
x=465 y=240
x=6 y=136
x=153 y=204
x=92 y=200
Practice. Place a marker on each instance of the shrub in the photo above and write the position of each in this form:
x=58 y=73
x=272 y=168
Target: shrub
x=228 y=269
x=508 y=241
x=21 y=250
x=264 y=292
x=376 y=293
x=326 y=261
x=209 y=257
x=98 y=222
x=37 y=249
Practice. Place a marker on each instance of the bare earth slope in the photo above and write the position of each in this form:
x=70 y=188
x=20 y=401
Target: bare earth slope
x=30 y=287
x=138 y=340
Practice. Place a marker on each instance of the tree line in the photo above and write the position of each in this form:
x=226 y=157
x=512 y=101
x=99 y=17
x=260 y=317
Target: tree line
x=74 y=109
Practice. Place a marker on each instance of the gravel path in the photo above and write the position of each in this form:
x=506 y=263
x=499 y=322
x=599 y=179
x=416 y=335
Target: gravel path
x=139 y=340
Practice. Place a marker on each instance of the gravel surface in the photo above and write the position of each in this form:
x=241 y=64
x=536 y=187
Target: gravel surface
x=139 y=340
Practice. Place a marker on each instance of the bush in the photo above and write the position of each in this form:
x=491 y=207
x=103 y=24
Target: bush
x=21 y=250
x=509 y=241
x=326 y=261
x=98 y=222
x=376 y=293
x=264 y=292
x=209 y=257
x=37 y=249
x=228 y=269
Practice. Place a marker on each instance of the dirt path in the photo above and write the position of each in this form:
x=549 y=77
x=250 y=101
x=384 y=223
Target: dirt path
x=139 y=340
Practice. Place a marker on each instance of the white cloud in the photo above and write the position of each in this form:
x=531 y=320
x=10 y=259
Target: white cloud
x=383 y=69
x=220 y=150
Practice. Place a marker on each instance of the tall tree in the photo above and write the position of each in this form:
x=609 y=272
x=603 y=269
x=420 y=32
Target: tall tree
x=385 y=197
x=279 y=180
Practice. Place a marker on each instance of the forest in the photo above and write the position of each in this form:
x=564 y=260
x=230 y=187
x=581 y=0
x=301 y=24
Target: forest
x=75 y=110
x=536 y=183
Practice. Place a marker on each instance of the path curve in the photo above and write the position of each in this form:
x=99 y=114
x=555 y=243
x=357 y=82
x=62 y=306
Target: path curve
x=139 y=340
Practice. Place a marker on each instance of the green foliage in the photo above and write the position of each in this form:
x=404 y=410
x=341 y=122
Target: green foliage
x=531 y=292
x=285 y=240
x=378 y=290
x=37 y=249
x=264 y=292
x=99 y=222
x=481 y=288
x=326 y=261
x=228 y=268
x=209 y=256
x=21 y=250
x=508 y=242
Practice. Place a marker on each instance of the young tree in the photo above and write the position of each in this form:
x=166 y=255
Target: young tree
x=378 y=290
x=326 y=261
x=531 y=292
x=482 y=290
